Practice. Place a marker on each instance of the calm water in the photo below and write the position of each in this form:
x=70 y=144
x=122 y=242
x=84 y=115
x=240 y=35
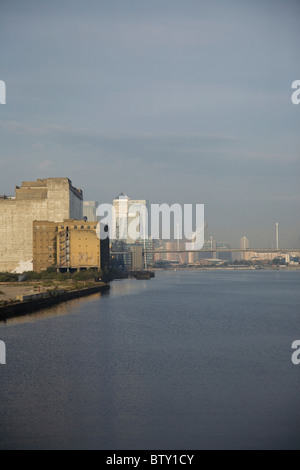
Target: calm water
x=189 y=360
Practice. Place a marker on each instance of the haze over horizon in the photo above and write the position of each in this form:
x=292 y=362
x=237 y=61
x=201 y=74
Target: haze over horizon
x=173 y=101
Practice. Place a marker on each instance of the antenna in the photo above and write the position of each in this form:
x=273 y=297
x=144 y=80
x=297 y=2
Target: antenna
x=178 y=243
x=145 y=254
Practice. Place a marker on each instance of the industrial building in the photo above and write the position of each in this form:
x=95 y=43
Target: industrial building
x=69 y=245
x=137 y=259
x=52 y=199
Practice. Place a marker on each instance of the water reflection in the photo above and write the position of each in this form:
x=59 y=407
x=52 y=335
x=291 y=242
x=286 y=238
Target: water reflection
x=118 y=289
x=128 y=287
x=64 y=308
x=179 y=362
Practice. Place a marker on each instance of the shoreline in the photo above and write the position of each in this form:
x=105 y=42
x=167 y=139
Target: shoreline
x=229 y=268
x=29 y=306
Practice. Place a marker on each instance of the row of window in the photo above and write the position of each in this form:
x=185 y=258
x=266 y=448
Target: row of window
x=81 y=228
x=75 y=227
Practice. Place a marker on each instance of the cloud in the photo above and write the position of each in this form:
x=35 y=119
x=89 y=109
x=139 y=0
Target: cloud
x=46 y=165
x=187 y=100
x=272 y=156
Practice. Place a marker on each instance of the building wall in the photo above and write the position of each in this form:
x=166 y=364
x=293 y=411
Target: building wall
x=53 y=199
x=244 y=245
x=44 y=245
x=137 y=263
x=16 y=247
x=90 y=210
x=123 y=205
x=192 y=258
x=75 y=205
x=105 y=253
x=150 y=246
x=69 y=245
x=252 y=255
x=64 y=201
x=78 y=245
x=85 y=249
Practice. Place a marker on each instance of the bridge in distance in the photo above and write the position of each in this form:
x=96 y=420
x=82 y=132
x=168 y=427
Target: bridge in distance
x=219 y=250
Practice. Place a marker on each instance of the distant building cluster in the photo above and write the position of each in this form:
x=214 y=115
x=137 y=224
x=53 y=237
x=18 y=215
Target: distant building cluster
x=134 y=255
x=48 y=224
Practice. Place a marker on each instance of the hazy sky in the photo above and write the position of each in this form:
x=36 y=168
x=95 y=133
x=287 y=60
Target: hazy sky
x=173 y=101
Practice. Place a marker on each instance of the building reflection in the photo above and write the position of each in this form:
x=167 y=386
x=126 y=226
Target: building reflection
x=64 y=308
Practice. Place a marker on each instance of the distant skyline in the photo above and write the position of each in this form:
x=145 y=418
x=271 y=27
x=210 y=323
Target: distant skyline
x=171 y=101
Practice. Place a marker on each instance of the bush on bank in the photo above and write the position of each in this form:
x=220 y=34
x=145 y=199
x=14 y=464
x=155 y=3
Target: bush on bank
x=51 y=274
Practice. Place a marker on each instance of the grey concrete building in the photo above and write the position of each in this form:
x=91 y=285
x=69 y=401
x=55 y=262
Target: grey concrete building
x=52 y=199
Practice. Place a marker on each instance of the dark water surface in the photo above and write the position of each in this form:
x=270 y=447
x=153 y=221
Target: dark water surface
x=189 y=360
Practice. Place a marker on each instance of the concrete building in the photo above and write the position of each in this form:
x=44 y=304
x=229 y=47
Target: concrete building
x=244 y=245
x=90 y=210
x=69 y=245
x=52 y=199
x=253 y=256
x=126 y=211
x=137 y=260
x=149 y=246
x=78 y=246
x=172 y=257
x=192 y=257
x=182 y=257
x=44 y=245
x=120 y=205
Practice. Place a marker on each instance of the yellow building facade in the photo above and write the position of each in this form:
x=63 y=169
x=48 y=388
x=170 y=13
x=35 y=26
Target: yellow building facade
x=78 y=245
x=69 y=245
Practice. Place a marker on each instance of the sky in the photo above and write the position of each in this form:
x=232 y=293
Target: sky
x=174 y=101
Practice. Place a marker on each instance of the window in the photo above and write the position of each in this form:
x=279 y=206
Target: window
x=75 y=227
x=89 y=227
x=62 y=227
x=82 y=227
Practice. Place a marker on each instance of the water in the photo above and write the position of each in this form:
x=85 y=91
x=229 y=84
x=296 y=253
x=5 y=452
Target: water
x=190 y=360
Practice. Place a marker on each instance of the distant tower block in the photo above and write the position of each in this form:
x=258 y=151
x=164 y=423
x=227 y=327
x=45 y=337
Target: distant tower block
x=90 y=210
x=277 y=235
x=244 y=245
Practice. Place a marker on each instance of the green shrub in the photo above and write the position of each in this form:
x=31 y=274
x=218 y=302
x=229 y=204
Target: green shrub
x=8 y=277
